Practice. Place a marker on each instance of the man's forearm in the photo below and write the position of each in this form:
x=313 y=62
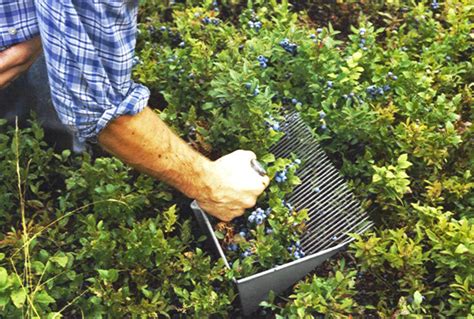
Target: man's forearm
x=223 y=188
x=145 y=142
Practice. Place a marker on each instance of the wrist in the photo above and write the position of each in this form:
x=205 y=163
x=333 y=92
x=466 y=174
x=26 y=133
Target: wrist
x=204 y=182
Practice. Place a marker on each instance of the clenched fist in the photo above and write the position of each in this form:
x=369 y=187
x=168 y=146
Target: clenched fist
x=234 y=186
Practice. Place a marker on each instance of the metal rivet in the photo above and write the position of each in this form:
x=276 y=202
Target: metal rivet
x=13 y=31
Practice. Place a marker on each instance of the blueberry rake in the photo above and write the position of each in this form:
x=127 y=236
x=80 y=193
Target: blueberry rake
x=333 y=210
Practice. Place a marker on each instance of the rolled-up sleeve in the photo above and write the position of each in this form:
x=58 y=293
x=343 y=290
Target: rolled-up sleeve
x=18 y=22
x=89 y=48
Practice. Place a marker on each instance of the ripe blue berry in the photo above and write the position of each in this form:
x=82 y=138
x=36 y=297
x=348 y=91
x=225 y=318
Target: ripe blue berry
x=163 y=29
x=319 y=30
x=362 y=31
x=312 y=36
x=329 y=84
x=276 y=126
x=181 y=44
x=322 y=114
x=256 y=92
x=294 y=101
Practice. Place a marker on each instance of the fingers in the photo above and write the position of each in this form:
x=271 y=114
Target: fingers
x=246 y=155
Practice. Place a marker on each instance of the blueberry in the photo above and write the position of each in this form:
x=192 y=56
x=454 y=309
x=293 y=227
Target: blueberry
x=294 y=101
x=260 y=211
x=259 y=219
x=386 y=88
x=263 y=65
x=319 y=30
x=390 y=74
x=322 y=114
x=232 y=247
x=312 y=36
x=135 y=60
x=329 y=84
x=243 y=234
x=316 y=189
x=268 y=231
x=395 y=77
x=246 y=253
x=251 y=24
x=298 y=161
x=362 y=31
x=248 y=85
x=258 y=25
x=256 y=92
x=181 y=44
x=276 y=126
x=162 y=28
x=251 y=219
x=323 y=127
x=362 y=41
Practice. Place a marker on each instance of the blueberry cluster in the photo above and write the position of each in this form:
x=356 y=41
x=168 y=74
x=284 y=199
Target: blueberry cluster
x=434 y=5
x=296 y=250
x=362 y=40
x=262 y=61
x=295 y=102
x=255 y=25
x=280 y=176
x=136 y=60
x=207 y=20
x=390 y=75
x=376 y=91
x=255 y=92
x=258 y=216
x=270 y=123
x=215 y=5
x=289 y=46
x=246 y=253
x=329 y=84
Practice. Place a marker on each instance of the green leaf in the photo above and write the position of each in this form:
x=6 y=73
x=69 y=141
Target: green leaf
x=170 y=219
x=267 y=158
x=417 y=298
x=43 y=298
x=219 y=235
x=109 y=275
x=461 y=249
x=18 y=297
x=3 y=277
x=2 y=256
x=60 y=260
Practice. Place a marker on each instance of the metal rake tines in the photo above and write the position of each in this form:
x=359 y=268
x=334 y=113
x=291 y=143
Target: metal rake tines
x=333 y=210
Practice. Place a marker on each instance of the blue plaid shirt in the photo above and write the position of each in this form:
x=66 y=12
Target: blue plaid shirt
x=89 y=47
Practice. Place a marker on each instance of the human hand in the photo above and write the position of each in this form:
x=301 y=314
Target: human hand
x=17 y=59
x=234 y=186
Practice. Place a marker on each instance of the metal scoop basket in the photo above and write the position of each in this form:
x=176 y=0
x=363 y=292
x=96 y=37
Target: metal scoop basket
x=334 y=213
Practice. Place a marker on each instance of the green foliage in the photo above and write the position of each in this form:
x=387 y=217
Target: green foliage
x=316 y=296
x=390 y=100
x=100 y=241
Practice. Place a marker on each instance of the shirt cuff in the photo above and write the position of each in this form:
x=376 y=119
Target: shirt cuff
x=19 y=22
x=133 y=104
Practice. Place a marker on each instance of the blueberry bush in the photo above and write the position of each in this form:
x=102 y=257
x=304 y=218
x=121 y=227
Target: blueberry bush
x=386 y=88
